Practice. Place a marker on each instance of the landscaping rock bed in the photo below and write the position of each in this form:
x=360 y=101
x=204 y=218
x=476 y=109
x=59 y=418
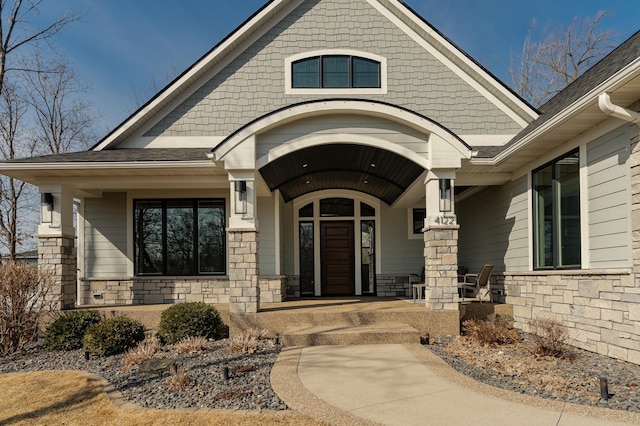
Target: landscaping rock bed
x=247 y=388
x=575 y=378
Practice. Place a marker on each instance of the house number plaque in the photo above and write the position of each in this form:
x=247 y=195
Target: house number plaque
x=445 y=220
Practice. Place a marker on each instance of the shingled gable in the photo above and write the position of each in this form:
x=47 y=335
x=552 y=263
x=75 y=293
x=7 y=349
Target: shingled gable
x=275 y=10
x=625 y=55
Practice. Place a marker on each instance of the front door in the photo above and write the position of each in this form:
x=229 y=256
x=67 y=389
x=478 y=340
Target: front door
x=337 y=258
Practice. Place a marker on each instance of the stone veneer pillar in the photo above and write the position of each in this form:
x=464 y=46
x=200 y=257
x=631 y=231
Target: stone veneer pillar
x=244 y=287
x=441 y=267
x=57 y=254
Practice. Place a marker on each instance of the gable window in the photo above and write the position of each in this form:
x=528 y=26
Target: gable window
x=556 y=213
x=179 y=237
x=335 y=72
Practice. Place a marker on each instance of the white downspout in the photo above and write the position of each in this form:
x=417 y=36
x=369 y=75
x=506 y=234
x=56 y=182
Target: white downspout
x=604 y=102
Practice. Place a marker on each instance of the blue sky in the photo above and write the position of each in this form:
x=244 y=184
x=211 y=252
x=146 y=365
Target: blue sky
x=123 y=44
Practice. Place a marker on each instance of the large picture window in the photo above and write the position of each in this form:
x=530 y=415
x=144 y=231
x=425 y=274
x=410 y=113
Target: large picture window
x=335 y=72
x=179 y=237
x=556 y=213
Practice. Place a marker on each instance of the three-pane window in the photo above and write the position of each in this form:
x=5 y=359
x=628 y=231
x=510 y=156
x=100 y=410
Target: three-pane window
x=179 y=237
x=335 y=72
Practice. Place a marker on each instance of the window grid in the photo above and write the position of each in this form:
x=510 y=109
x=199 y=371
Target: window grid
x=179 y=237
x=336 y=72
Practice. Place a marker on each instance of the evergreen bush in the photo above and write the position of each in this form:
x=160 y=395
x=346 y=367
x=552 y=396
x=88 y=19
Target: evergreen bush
x=192 y=319
x=113 y=336
x=66 y=332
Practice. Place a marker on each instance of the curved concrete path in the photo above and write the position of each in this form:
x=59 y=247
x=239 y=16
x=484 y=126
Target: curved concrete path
x=409 y=385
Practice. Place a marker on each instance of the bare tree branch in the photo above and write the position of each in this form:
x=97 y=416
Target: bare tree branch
x=544 y=68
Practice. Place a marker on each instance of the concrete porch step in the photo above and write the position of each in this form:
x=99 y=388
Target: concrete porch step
x=347 y=334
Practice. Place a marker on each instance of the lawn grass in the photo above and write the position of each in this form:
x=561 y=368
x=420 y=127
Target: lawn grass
x=71 y=398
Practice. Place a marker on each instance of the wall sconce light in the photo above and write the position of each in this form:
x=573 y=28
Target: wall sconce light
x=241 y=196
x=445 y=195
x=47 y=199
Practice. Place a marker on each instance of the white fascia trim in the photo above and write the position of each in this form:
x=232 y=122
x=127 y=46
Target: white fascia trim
x=340 y=107
x=198 y=69
x=567 y=113
x=289 y=90
x=458 y=69
x=107 y=165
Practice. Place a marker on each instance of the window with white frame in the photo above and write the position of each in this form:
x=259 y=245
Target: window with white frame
x=556 y=213
x=335 y=72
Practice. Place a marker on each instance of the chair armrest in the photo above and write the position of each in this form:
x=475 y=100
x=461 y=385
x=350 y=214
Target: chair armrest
x=413 y=277
x=470 y=276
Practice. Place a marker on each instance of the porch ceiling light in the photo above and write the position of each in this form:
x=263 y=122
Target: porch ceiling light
x=445 y=195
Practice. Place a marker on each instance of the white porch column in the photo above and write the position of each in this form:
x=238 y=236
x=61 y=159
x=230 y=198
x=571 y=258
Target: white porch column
x=56 y=242
x=244 y=288
x=441 y=242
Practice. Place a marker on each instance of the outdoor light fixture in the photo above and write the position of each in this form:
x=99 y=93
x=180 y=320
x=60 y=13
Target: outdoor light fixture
x=445 y=195
x=47 y=199
x=241 y=196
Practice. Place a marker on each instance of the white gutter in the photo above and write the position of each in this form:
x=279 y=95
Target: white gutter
x=606 y=106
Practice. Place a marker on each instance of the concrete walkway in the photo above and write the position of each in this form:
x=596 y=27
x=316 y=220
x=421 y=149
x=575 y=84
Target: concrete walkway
x=408 y=385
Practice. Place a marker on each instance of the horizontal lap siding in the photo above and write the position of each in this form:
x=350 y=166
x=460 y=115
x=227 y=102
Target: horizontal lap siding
x=494 y=228
x=105 y=235
x=608 y=200
x=267 y=242
x=400 y=255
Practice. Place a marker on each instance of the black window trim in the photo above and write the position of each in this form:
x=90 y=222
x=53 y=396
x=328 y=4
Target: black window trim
x=321 y=72
x=554 y=220
x=196 y=243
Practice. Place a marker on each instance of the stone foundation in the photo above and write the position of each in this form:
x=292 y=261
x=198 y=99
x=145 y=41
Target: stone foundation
x=601 y=308
x=164 y=290
x=393 y=285
x=273 y=289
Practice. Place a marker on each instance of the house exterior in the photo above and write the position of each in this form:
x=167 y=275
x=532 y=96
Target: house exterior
x=332 y=148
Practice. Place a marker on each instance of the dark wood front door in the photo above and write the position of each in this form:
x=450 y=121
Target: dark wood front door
x=338 y=258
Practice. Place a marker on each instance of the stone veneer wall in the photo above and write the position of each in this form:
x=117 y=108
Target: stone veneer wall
x=161 y=290
x=441 y=267
x=393 y=286
x=58 y=255
x=273 y=289
x=601 y=308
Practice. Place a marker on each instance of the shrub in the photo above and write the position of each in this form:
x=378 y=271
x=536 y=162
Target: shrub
x=550 y=337
x=113 y=336
x=193 y=319
x=496 y=332
x=141 y=353
x=24 y=295
x=66 y=332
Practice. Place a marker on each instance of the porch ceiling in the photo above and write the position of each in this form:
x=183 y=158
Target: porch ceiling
x=377 y=172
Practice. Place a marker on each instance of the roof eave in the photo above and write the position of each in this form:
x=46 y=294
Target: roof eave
x=628 y=72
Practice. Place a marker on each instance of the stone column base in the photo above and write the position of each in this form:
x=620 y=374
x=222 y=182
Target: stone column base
x=441 y=267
